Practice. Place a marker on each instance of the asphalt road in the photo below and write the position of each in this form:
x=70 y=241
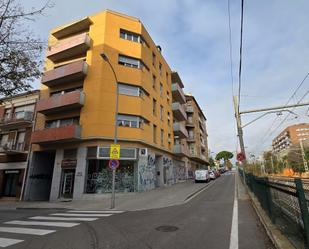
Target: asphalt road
x=203 y=222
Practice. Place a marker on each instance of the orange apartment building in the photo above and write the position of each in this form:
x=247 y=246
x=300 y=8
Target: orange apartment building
x=76 y=112
x=292 y=135
x=16 y=122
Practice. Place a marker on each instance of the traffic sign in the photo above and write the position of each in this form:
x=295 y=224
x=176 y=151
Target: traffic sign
x=114 y=151
x=113 y=164
x=241 y=157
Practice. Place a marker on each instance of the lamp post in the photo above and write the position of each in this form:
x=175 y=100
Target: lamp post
x=105 y=58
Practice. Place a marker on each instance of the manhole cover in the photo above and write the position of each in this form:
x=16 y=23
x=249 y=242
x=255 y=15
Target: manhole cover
x=167 y=228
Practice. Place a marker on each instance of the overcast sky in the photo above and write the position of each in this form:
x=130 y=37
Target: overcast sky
x=195 y=41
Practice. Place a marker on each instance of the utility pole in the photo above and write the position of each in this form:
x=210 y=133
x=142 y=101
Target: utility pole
x=303 y=155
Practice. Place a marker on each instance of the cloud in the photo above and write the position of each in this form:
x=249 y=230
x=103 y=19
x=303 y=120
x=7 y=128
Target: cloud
x=194 y=38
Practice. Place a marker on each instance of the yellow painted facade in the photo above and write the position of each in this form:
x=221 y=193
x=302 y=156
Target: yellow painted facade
x=98 y=112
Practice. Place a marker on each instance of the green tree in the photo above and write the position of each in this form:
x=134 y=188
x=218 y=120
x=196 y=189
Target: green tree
x=226 y=156
x=20 y=50
x=212 y=162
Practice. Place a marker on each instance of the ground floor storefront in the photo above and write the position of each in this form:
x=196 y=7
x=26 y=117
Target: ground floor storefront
x=11 y=179
x=79 y=173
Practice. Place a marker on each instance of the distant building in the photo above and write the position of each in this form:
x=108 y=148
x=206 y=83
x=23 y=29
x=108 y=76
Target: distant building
x=291 y=135
x=16 y=121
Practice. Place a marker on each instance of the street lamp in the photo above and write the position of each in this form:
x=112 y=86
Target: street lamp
x=105 y=58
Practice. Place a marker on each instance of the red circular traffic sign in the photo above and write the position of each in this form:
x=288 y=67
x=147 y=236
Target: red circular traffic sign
x=113 y=164
x=241 y=157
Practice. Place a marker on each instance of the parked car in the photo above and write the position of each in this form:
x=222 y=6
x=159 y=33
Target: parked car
x=217 y=173
x=212 y=175
x=202 y=175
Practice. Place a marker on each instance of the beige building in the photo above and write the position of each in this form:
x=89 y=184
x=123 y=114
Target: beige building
x=291 y=135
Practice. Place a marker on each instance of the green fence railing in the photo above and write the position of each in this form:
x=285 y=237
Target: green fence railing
x=285 y=200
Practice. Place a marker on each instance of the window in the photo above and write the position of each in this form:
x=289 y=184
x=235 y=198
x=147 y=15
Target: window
x=169 y=140
x=154 y=133
x=154 y=59
x=154 y=107
x=161 y=112
x=168 y=96
x=160 y=68
x=161 y=89
x=162 y=137
x=130 y=36
x=131 y=62
x=129 y=121
x=168 y=118
x=166 y=77
x=153 y=82
x=61 y=122
x=130 y=90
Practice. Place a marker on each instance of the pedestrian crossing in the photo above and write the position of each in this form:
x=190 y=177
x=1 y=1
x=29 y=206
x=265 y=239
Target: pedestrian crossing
x=67 y=219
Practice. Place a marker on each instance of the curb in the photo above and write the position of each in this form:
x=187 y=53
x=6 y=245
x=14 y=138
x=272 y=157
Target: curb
x=275 y=235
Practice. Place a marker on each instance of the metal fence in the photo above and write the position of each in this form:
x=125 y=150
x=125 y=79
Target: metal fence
x=285 y=200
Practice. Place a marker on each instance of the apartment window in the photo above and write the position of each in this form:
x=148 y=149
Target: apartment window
x=4 y=139
x=153 y=82
x=130 y=90
x=130 y=36
x=129 y=121
x=131 y=62
x=160 y=68
x=62 y=122
x=161 y=112
x=168 y=96
x=161 y=89
x=154 y=59
x=154 y=133
x=169 y=140
x=162 y=136
x=168 y=118
x=23 y=112
x=166 y=77
x=154 y=107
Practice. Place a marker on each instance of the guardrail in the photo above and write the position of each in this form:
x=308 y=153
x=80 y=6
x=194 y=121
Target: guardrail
x=285 y=200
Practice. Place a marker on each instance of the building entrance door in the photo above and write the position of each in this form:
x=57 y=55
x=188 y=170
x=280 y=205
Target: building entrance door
x=67 y=183
x=10 y=182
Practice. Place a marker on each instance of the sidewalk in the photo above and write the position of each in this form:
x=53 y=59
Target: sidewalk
x=157 y=198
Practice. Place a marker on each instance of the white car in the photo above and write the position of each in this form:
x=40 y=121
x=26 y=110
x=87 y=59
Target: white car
x=202 y=175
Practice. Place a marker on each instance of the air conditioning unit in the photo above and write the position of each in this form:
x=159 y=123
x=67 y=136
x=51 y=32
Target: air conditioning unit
x=143 y=152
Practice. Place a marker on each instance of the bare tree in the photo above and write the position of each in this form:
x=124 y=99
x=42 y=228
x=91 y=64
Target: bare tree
x=20 y=50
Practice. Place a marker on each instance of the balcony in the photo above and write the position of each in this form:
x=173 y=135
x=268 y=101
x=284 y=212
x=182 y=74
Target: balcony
x=180 y=130
x=17 y=120
x=67 y=133
x=179 y=112
x=11 y=148
x=69 y=73
x=189 y=109
x=190 y=123
x=191 y=139
x=177 y=93
x=65 y=102
x=176 y=79
x=180 y=150
x=73 y=28
x=69 y=48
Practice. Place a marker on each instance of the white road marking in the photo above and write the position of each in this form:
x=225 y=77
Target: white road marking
x=62 y=218
x=41 y=223
x=98 y=212
x=4 y=242
x=82 y=215
x=234 y=229
x=22 y=230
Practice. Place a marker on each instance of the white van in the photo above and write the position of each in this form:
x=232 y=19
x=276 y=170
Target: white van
x=202 y=175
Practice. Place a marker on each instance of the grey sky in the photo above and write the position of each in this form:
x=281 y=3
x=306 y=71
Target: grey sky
x=194 y=37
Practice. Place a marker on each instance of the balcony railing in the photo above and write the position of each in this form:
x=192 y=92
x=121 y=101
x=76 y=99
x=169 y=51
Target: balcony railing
x=179 y=112
x=68 y=101
x=177 y=93
x=13 y=148
x=189 y=109
x=16 y=120
x=57 y=135
x=72 y=72
x=180 y=150
x=191 y=139
x=176 y=79
x=180 y=130
x=69 y=48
